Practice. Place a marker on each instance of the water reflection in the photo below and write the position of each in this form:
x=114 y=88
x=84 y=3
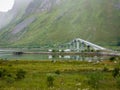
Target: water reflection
x=77 y=57
x=10 y=56
x=50 y=57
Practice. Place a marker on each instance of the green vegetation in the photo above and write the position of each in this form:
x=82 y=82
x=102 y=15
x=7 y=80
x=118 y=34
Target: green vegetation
x=116 y=72
x=118 y=82
x=97 y=21
x=63 y=75
x=50 y=81
x=20 y=74
x=10 y=76
x=94 y=80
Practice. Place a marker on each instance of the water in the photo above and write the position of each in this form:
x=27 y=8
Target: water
x=48 y=57
x=8 y=55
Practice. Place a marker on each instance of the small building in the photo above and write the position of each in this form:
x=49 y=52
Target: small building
x=67 y=50
x=50 y=50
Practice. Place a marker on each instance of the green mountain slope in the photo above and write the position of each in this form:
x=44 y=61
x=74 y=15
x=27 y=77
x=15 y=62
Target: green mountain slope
x=52 y=22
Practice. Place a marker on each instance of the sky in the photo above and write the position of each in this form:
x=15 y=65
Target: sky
x=6 y=5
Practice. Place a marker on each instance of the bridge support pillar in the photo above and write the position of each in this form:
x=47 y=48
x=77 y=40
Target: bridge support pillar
x=78 y=46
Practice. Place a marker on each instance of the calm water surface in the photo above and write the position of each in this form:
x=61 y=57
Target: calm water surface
x=7 y=54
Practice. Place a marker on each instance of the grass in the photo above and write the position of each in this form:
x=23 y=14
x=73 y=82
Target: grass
x=73 y=75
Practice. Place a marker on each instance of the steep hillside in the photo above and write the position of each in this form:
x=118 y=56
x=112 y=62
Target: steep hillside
x=52 y=22
x=17 y=12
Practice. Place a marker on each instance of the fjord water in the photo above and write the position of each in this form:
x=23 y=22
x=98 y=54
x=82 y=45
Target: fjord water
x=7 y=54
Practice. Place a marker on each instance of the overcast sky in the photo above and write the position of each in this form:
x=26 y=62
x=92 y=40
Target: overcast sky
x=6 y=5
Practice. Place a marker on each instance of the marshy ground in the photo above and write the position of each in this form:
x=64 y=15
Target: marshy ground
x=59 y=75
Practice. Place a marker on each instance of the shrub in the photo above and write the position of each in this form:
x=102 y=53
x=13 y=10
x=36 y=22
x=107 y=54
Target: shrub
x=105 y=69
x=116 y=72
x=9 y=79
x=20 y=74
x=92 y=50
x=3 y=73
x=54 y=50
x=57 y=72
x=112 y=58
x=50 y=81
x=7 y=76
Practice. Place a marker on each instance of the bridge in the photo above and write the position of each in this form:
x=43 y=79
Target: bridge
x=75 y=47
x=79 y=45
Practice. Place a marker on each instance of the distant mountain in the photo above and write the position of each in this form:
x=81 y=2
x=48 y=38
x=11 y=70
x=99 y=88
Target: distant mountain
x=14 y=14
x=47 y=23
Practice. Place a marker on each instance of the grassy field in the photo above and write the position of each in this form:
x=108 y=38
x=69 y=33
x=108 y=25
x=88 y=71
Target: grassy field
x=59 y=75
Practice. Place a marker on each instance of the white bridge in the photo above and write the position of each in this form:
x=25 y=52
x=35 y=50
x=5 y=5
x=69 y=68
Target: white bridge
x=81 y=45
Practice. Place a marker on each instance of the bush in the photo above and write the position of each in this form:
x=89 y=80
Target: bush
x=3 y=73
x=54 y=50
x=116 y=72
x=50 y=81
x=20 y=74
x=9 y=79
x=105 y=69
x=112 y=58
x=7 y=76
x=57 y=72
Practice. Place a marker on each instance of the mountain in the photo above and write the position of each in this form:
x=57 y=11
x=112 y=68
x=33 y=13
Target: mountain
x=17 y=12
x=48 y=23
